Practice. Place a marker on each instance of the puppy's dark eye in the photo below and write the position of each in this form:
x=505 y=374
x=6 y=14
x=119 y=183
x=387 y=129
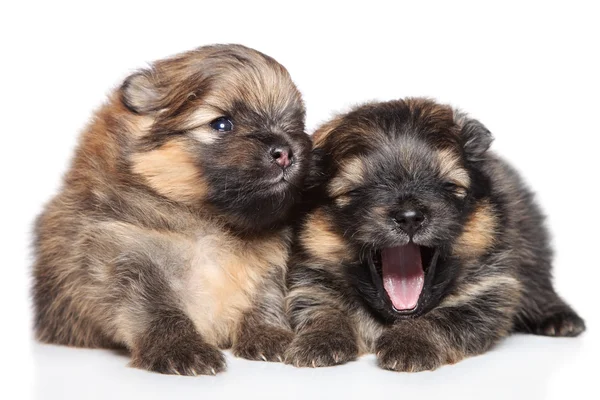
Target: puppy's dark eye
x=455 y=189
x=222 y=124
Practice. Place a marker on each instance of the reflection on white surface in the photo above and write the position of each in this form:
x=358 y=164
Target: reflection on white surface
x=522 y=366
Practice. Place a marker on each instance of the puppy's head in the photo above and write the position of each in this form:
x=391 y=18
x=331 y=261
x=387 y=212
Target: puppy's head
x=404 y=201
x=225 y=132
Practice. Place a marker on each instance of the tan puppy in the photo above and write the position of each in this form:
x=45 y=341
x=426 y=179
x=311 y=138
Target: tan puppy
x=169 y=235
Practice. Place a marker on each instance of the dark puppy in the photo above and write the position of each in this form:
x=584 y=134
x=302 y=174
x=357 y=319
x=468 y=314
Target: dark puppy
x=422 y=247
x=169 y=235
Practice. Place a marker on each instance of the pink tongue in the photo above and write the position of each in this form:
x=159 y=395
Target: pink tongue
x=403 y=275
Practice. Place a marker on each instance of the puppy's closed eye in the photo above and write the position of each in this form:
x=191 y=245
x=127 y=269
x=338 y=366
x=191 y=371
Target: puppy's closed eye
x=456 y=189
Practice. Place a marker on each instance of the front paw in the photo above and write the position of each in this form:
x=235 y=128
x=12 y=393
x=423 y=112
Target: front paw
x=266 y=343
x=403 y=354
x=321 y=349
x=563 y=323
x=186 y=356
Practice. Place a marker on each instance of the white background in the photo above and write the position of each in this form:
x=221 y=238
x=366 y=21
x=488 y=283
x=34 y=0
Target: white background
x=528 y=71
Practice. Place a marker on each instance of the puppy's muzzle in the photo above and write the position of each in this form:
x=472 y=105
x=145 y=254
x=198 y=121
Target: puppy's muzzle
x=282 y=155
x=410 y=219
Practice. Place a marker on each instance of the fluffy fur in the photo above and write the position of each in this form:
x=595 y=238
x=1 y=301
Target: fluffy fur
x=489 y=270
x=169 y=236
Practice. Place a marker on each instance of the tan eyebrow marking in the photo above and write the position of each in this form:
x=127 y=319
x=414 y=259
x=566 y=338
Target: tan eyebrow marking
x=350 y=175
x=451 y=169
x=342 y=201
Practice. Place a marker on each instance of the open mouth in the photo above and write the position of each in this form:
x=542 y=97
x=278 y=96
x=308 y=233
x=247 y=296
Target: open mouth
x=402 y=273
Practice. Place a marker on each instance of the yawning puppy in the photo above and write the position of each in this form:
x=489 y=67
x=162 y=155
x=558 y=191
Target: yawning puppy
x=169 y=235
x=421 y=247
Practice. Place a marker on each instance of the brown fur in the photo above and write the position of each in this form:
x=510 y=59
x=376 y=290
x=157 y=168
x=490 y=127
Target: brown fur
x=149 y=245
x=479 y=232
x=170 y=171
x=318 y=236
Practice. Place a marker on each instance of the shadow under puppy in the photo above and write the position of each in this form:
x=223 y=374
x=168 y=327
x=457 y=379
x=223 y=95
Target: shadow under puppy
x=169 y=235
x=421 y=245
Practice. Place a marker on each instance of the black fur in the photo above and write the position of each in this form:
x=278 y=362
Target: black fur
x=490 y=272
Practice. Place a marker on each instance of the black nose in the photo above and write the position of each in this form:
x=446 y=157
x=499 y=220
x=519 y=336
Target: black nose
x=409 y=220
x=282 y=155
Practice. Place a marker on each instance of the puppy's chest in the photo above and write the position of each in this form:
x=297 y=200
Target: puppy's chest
x=226 y=275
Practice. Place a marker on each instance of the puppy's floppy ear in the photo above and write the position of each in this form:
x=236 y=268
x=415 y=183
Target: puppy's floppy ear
x=140 y=92
x=476 y=138
x=320 y=160
x=321 y=134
